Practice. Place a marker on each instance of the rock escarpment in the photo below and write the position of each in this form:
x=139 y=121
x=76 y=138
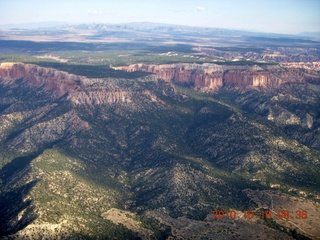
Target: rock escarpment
x=202 y=76
x=79 y=89
x=52 y=80
x=207 y=77
x=305 y=65
x=212 y=76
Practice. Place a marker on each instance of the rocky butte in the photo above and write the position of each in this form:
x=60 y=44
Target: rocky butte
x=212 y=76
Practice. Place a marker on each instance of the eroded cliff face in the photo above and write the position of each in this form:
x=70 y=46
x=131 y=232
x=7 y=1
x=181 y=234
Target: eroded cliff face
x=201 y=76
x=207 y=77
x=39 y=103
x=53 y=80
x=305 y=65
x=212 y=76
x=78 y=89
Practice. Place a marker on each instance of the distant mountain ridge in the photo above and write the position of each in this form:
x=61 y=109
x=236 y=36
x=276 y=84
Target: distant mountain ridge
x=33 y=25
x=310 y=34
x=141 y=26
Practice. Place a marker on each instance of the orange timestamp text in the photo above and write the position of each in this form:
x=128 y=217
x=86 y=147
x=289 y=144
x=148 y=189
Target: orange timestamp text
x=263 y=214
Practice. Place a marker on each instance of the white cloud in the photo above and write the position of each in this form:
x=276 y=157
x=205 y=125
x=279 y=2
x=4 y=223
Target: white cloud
x=200 y=9
x=94 y=12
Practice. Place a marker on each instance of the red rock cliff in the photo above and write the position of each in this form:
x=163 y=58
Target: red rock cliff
x=202 y=76
x=78 y=88
x=53 y=80
x=212 y=76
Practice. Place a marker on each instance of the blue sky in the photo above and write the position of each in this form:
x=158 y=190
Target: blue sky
x=279 y=16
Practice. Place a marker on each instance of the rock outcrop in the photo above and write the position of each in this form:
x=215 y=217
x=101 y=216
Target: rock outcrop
x=77 y=88
x=100 y=97
x=305 y=65
x=212 y=76
x=207 y=76
x=53 y=80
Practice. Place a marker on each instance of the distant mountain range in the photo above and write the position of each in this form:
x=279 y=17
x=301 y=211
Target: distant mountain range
x=150 y=27
x=32 y=25
x=310 y=34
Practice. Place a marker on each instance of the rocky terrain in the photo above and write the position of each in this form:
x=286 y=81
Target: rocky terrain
x=213 y=77
x=152 y=158
x=58 y=82
x=279 y=54
x=302 y=65
x=79 y=89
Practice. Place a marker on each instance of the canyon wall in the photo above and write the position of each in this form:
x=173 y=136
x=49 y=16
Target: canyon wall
x=212 y=76
x=305 y=65
x=52 y=80
x=78 y=88
x=207 y=77
x=201 y=76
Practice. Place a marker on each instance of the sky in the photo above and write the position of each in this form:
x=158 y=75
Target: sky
x=277 y=16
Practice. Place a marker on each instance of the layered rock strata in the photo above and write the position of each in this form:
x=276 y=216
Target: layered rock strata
x=77 y=88
x=212 y=76
x=53 y=80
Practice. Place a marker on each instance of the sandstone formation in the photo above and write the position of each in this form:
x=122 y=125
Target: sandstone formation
x=212 y=76
x=79 y=89
x=305 y=65
x=53 y=80
x=202 y=76
x=206 y=77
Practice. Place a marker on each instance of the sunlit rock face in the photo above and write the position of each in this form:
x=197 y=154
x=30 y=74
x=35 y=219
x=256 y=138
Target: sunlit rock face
x=213 y=77
x=59 y=83
x=53 y=80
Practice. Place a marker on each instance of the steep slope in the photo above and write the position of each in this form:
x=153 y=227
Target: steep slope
x=71 y=156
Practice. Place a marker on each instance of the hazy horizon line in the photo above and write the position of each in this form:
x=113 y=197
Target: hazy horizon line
x=11 y=25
